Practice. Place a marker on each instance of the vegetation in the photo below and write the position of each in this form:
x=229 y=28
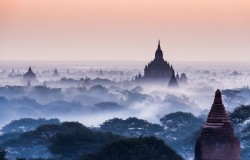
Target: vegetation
x=149 y=148
x=241 y=120
x=79 y=141
x=180 y=125
x=27 y=124
x=3 y=153
x=240 y=114
x=131 y=127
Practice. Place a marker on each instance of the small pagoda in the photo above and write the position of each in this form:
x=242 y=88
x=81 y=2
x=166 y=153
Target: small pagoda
x=30 y=74
x=217 y=140
x=56 y=74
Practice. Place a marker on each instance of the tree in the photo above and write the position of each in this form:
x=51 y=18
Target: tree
x=77 y=139
x=149 y=148
x=131 y=127
x=180 y=125
x=3 y=153
x=27 y=124
x=240 y=114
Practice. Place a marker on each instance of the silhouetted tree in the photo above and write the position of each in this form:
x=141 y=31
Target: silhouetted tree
x=27 y=124
x=240 y=114
x=78 y=139
x=3 y=153
x=148 y=148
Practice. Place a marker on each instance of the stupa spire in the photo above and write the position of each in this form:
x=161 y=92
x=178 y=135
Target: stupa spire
x=159 y=53
x=159 y=45
x=217 y=140
x=173 y=83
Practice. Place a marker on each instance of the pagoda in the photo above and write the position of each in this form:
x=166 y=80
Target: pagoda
x=30 y=74
x=173 y=83
x=56 y=74
x=217 y=140
x=158 y=70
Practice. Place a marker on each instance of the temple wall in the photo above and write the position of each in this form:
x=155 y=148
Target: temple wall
x=220 y=151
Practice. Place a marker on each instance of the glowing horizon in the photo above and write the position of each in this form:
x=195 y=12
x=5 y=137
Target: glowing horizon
x=125 y=30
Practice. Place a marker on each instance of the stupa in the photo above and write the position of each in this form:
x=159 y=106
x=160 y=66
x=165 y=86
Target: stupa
x=30 y=74
x=158 y=71
x=217 y=140
x=56 y=74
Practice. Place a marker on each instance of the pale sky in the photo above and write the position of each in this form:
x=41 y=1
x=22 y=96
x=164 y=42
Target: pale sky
x=189 y=30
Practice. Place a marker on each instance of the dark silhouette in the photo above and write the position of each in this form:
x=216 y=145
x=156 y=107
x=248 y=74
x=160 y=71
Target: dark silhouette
x=217 y=140
x=3 y=153
x=56 y=74
x=30 y=74
x=157 y=70
x=149 y=148
x=173 y=82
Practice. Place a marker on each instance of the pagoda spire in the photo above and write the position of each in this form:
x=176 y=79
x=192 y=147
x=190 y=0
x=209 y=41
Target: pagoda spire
x=217 y=140
x=159 y=45
x=159 y=53
x=173 y=83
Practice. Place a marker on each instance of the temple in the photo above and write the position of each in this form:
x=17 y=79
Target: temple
x=217 y=140
x=159 y=70
x=30 y=74
x=173 y=82
x=56 y=74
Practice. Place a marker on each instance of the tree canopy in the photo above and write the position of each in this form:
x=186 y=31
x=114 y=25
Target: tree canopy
x=149 y=148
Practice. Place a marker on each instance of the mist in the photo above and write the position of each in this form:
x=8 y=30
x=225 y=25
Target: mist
x=93 y=92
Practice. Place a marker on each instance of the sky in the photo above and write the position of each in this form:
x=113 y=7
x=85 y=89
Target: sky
x=69 y=30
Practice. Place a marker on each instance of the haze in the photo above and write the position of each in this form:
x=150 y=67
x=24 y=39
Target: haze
x=193 y=30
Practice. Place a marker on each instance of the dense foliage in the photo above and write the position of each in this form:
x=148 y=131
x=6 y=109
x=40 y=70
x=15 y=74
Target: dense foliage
x=27 y=124
x=66 y=140
x=241 y=120
x=131 y=127
x=180 y=125
x=3 y=154
x=240 y=114
x=148 y=148
x=79 y=141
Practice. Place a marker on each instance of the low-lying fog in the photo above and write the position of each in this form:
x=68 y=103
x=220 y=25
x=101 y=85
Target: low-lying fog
x=92 y=92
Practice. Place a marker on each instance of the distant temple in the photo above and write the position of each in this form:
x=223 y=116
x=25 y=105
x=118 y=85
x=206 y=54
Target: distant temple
x=30 y=74
x=159 y=70
x=56 y=74
x=14 y=75
x=173 y=81
x=217 y=140
x=182 y=79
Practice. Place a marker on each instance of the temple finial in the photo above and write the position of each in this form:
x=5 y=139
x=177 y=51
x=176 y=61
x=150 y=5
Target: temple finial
x=218 y=97
x=159 y=45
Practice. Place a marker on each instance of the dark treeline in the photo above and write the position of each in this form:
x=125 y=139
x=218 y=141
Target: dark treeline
x=175 y=135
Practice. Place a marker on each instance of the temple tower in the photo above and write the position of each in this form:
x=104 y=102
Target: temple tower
x=159 y=53
x=173 y=81
x=217 y=140
x=30 y=74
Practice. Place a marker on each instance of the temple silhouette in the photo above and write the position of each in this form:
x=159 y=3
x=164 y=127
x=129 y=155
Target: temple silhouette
x=217 y=140
x=29 y=75
x=56 y=73
x=160 y=70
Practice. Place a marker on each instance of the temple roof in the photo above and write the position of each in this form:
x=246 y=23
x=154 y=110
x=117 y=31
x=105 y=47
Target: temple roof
x=30 y=74
x=159 y=45
x=173 y=83
x=218 y=124
x=159 y=53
